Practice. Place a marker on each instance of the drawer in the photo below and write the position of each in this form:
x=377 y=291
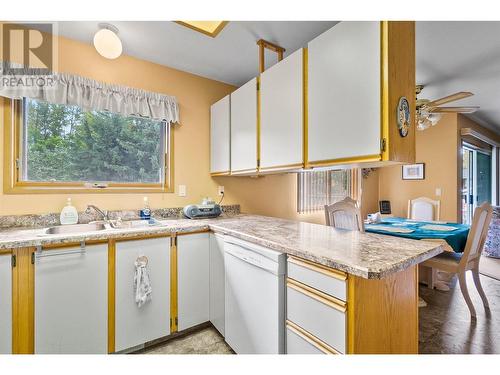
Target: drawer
x=299 y=341
x=319 y=277
x=319 y=314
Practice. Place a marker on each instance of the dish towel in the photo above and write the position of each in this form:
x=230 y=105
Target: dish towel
x=142 y=283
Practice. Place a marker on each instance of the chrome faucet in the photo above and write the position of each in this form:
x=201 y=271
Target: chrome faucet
x=104 y=213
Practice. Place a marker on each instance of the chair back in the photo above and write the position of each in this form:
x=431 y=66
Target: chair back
x=344 y=214
x=477 y=236
x=423 y=209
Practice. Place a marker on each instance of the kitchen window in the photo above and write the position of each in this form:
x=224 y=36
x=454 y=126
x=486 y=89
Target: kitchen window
x=315 y=189
x=56 y=146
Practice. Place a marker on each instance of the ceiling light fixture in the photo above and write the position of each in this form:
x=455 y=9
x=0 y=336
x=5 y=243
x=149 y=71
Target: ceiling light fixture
x=107 y=42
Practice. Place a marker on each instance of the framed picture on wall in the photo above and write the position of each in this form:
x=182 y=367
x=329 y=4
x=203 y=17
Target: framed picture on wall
x=414 y=171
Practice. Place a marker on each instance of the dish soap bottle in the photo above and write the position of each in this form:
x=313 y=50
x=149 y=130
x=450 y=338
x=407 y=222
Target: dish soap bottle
x=69 y=215
x=145 y=213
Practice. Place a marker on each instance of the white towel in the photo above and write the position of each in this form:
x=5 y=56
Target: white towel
x=142 y=283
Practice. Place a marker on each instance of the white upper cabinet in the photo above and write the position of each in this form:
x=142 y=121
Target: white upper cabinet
x=220 y=132
x=281 y=116
x=5 y=304
x=244 y=128
x=344 y=116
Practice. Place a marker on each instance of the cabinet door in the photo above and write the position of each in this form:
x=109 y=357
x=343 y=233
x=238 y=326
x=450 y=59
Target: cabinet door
x=217 y=281
x=192 y=279
x=244 y=128
x=136 y=325
x=220 y=136
x=344 y=92
x=71 y=301
x=281 y=116
x=5 y=304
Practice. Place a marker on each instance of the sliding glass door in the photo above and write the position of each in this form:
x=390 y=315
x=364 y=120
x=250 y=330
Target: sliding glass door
x=476 y=180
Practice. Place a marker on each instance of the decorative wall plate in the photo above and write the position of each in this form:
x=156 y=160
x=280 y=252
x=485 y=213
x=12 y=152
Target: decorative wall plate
x=403 y=116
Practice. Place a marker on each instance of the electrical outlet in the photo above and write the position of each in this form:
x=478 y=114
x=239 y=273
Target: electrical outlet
x=182 y=190
x=438 y=192
x=220 y=190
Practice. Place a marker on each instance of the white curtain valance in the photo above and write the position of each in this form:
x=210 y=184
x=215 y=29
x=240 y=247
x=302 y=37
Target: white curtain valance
x=88 y=94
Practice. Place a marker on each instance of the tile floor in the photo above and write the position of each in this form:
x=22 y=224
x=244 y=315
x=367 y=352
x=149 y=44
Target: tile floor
x=445 y=326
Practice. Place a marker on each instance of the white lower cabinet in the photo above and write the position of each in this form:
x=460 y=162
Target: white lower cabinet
x=217 y=275
x=71 y=301
x=136 y=325
x=5 y=304
x=193 y=279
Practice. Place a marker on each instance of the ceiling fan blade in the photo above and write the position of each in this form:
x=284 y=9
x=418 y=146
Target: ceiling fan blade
x=454 y=109
x=449 y=98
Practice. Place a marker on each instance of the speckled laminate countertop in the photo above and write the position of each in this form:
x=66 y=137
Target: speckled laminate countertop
x=367 y=255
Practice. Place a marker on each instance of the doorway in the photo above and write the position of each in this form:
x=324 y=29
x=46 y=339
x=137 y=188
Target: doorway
x=476 y=179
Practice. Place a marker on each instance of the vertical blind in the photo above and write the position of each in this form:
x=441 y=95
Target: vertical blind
x=315 y=189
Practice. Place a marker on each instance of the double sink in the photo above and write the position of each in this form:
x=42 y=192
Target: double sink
x=100 y=225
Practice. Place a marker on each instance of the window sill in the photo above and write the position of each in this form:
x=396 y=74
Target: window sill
x=34 y=188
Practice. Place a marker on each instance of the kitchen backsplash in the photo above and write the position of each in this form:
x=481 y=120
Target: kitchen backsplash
x=51 y=219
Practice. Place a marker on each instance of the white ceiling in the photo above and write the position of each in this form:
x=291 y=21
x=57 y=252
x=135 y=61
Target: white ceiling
x=451 y=56
x=461 y=56
x=231 y=57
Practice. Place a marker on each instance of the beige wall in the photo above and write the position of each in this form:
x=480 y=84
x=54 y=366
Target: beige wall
x=195 y=95
x=276 y=195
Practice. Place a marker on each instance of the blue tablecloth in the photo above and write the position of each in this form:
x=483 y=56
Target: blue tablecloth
x=456 y=238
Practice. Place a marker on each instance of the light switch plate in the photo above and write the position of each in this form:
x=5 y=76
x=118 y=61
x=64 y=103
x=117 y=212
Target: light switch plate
x=220 y=190
x=182 y=190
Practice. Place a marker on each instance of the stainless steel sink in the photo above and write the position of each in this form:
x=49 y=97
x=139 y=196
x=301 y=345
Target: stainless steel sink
x=75 y=228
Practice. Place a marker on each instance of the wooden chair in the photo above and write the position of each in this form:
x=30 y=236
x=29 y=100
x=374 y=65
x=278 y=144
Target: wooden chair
x=469 y=259
x=344 y=214
x=423 y=209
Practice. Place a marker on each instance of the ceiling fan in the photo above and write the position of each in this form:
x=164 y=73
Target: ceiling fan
x=429 y=112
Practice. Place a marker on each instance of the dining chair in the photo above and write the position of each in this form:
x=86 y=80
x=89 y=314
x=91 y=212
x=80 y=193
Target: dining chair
x=469 y=259
x=424 y=209
x=344 y=214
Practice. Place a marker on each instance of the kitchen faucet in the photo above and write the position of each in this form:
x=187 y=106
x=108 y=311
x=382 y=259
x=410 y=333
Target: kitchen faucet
x=104 y=213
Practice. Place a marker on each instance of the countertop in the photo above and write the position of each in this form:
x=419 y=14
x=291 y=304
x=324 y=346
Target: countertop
x=368 y=255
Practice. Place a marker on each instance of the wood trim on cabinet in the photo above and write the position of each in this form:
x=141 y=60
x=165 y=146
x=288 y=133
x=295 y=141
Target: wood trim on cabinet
x=173 y=286
x=244 y=171
x=310 y=338
x=340 y=161
x=143 y=237
x=111 y=295
x=177 y=234
x=57 y=246
x=319 y=296
x=258 y=124
x=282 y=167
x=5 y=251
x=318 y=268
x=305 y=108
x=217 y=174
x=23 y=295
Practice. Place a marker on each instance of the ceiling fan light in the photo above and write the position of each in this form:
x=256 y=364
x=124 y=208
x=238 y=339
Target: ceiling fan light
x=107 y=43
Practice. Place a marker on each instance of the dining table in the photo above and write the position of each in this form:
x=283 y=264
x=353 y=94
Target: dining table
x=454 y=234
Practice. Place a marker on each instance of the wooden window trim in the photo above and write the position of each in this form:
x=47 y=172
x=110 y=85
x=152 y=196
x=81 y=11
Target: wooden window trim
x=12 y=119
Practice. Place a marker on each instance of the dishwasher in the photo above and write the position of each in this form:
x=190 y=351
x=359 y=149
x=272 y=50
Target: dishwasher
x=254 y=298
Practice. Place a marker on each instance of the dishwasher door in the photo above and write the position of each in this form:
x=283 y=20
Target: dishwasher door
x=254 y=298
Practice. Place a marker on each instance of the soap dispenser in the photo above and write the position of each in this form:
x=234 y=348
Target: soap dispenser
x=69 y=215
x=145 y=213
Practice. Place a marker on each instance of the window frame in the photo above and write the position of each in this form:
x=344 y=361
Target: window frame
x=13 y=184
x=354 y=175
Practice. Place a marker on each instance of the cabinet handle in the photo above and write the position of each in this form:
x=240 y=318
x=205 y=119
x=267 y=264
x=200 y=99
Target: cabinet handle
x=42 y=254
x=318 y=268
x=310 y=338
x=317 y=295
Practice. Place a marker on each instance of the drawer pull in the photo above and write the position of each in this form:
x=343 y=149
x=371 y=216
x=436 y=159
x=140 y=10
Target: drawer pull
x=311 y=339
x=339 y=275
x=317 y=295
